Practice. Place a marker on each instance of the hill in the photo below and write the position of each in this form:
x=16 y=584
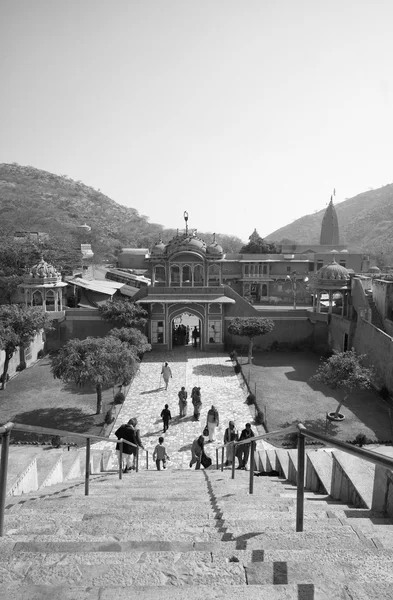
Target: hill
x=365 y=221
x=35 y=200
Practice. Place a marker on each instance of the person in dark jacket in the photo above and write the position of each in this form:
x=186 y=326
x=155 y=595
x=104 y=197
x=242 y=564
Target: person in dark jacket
x=166 y=417
x=129 y=432
x=243 y=451
x=197 y=402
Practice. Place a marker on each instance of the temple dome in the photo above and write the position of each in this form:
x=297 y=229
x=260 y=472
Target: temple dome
x=214 y=250
x=159 y=248
x=43 y=272
x=333 y=272
x=374 y=269
x=186 y=242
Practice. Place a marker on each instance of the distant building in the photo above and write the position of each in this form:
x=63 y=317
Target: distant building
x=260 y=278
x=30 y=236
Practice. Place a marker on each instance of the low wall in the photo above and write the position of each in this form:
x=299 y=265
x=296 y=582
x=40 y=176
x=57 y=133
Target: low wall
x=378 y=348
x=78 y=323
x=29 y=355
x=287 y=330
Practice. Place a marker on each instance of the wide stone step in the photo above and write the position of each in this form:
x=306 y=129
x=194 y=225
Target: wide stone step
x=197 y=592
x=332 y=574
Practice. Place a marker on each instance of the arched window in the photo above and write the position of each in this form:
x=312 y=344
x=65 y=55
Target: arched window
x=264 y=290
x=175 y=276
x=50 y=300
x=159 y=275
x=186 y=276
x=37 y=299
x=214 y=275
x=198 y=275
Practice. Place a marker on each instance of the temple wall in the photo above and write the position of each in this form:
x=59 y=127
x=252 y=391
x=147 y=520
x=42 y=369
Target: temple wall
x=287 y=331
x=339 y=327
x=78 y=323
x=378 y=348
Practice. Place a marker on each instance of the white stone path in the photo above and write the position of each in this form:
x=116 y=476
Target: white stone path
x=190 y=367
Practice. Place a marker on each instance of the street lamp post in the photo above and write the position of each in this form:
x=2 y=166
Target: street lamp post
x=293 y=280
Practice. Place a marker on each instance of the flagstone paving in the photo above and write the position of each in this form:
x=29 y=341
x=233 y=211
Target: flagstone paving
x=212 y=372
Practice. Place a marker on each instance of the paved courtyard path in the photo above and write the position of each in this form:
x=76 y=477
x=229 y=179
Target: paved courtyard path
x=146 y=398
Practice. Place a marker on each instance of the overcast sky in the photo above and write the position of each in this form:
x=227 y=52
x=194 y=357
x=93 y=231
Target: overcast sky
x=245 y=113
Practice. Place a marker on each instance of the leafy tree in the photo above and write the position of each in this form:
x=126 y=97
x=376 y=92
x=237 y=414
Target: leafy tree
x=123 y=313
x=100 y=361
x=18 y=327
x=344 y=370
x=250 y=327
x=258 y=245
x=133 y=337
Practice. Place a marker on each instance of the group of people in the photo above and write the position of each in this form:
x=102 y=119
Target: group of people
x=129 y=432
x=181 y=335
x=231 y=435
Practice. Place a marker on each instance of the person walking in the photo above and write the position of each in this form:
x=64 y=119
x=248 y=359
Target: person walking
x=166 y=417
x=212 y=421
x=230 y=435
x=195 y=335
x=129 y=432
x=160 y=455
x=243 y=451
x=166 y=374
x=197 y=402
x=182 y=402
x=196 y=452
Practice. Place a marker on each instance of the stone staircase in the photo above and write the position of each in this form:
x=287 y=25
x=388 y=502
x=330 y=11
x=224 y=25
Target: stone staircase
x=179 y=534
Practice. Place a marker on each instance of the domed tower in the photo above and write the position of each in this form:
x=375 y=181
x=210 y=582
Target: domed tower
x=332 y=280
x=42 y=286
x=330 y=235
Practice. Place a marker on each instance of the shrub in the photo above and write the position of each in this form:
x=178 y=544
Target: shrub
x=40 y=354
x=259 y=418
x=238 y=368
x=360 y=439
x=384 y=392
x=21 y=366
x=7 y=378
x=250 y=399
x=109 y=418
x=56 y=441
x=233 y=355
x=119 y=398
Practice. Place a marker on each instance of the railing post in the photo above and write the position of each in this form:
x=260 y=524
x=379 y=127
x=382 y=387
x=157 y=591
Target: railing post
x=222 y=458
x=121 y=459
x=5 y=443
x=147 y=460
x=233 y=462
x=87 y=467
x=216 y=459
x=300 y=481
x=137 y=460
x=252 y=454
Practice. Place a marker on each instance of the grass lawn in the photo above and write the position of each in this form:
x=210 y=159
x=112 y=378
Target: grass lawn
x=282 y=386
x=34 y=397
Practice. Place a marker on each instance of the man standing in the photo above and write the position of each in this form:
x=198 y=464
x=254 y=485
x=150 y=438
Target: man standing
x=166 y=373
x=212 y=421
x=243 y=451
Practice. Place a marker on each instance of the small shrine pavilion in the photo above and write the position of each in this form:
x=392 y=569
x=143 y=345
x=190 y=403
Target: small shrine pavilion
x=43 y=286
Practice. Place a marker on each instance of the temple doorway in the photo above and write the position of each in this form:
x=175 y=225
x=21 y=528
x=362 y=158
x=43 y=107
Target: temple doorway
x=186 y=331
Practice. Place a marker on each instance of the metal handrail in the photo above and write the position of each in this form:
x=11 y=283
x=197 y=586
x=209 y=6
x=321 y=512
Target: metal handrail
x=5 y=432
x=303 y=432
